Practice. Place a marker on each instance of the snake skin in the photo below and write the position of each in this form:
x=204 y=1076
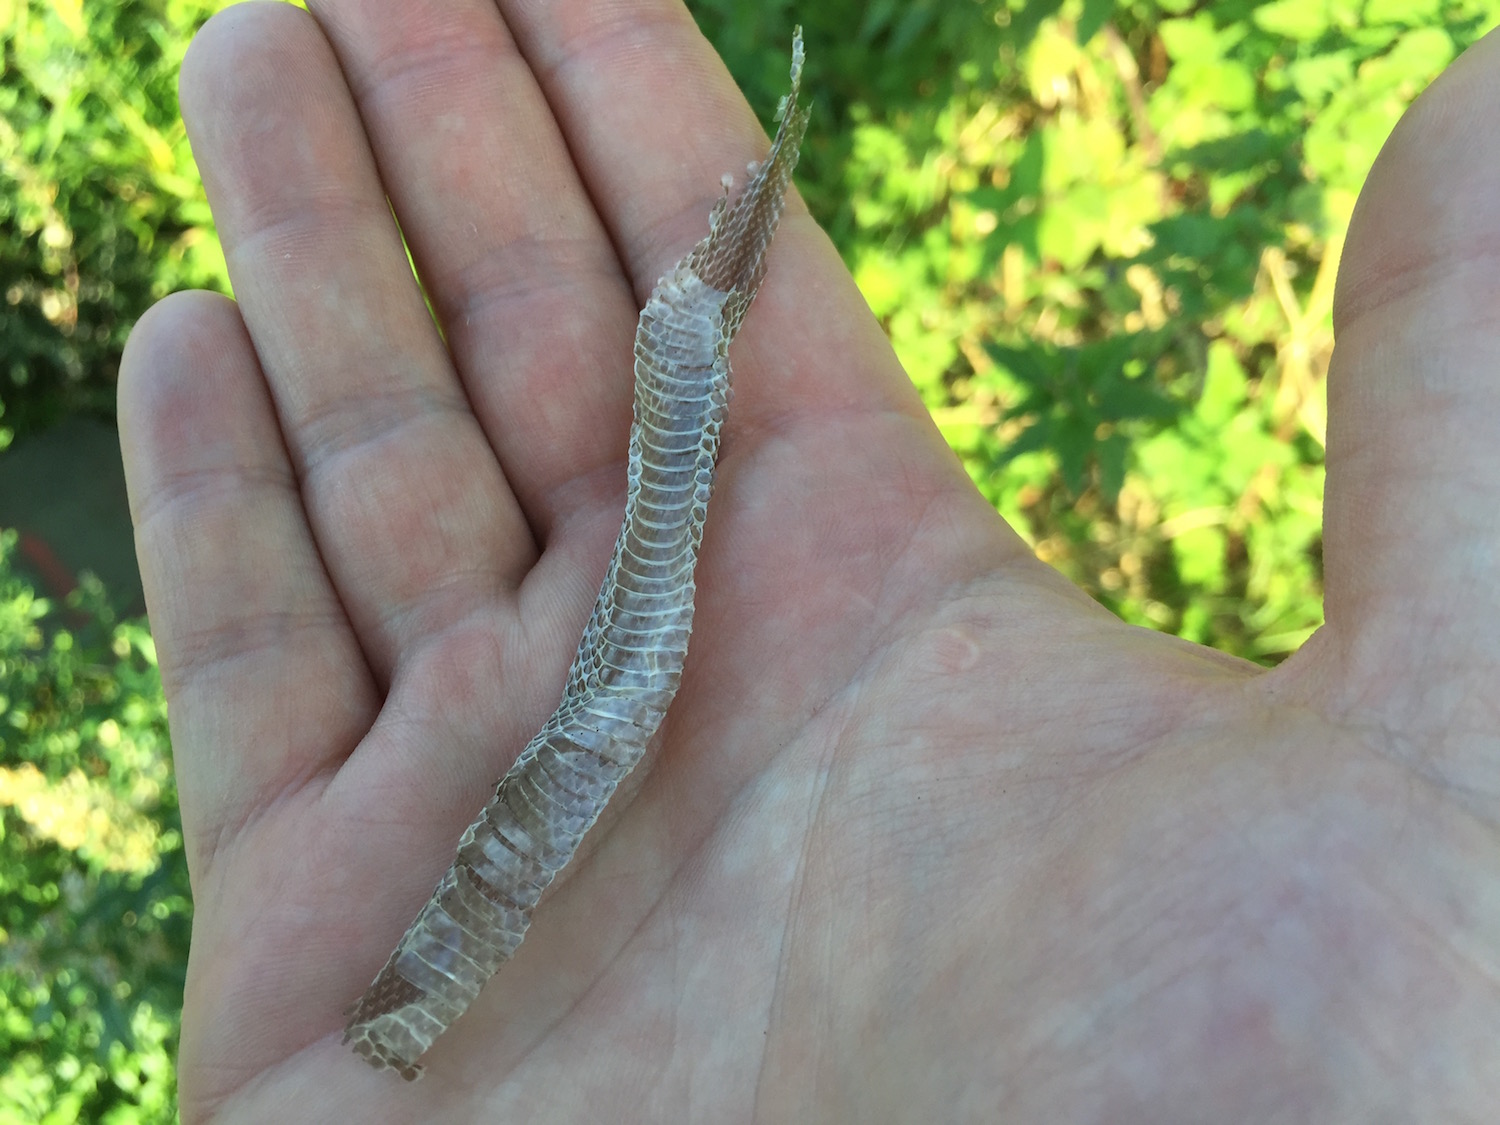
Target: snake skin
x=629 y=662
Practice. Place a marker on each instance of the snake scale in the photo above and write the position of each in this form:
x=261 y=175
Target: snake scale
x=629 y=662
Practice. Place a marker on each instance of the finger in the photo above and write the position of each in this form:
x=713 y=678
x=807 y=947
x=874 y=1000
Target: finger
x=267 y=686
x=408 y=506
x=520 y=271
x=654 y=121
x=1412 y=521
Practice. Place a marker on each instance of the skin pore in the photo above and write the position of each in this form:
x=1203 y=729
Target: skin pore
x=928 y=835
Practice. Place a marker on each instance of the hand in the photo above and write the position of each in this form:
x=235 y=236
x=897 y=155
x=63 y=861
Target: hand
x=930 y=836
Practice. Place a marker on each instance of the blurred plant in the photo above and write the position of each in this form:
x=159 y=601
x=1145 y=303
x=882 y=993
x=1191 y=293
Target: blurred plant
x=101 y=209
x=1103 y=236
x=92 y=876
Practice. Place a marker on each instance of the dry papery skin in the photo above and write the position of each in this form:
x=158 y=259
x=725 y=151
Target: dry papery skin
x=629 y=662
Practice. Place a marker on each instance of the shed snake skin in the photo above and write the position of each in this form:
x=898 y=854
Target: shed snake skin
x=629 y=662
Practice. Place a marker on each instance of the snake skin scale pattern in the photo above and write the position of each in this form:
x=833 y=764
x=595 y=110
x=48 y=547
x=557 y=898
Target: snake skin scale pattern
x=630 y=660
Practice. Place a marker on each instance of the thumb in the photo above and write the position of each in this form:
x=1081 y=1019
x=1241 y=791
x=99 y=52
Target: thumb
x=1412 y=512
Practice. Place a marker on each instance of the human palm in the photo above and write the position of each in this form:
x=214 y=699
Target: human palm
x=928 y=836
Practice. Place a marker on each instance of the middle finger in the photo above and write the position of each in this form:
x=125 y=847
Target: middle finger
x=521 y=271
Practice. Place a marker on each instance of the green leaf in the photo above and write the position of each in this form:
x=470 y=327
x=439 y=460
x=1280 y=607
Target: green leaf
x=1303 y=20
x=1073 y=440
x=1094 y=16
x=1224 y=387
x=1410 y=12
x=1418 y=57
x=1112 y=454
x=1026 y=17
x=1025 y=365
x=1135 y=398
x=1032 y=438
x=1191 y=40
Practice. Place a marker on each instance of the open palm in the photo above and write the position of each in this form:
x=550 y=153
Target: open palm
x=928 y=836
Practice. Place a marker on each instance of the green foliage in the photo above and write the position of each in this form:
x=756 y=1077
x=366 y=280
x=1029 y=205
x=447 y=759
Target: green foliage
x=101 y=210
x=1103 y=237
x=92 y=876
x=903 y=56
